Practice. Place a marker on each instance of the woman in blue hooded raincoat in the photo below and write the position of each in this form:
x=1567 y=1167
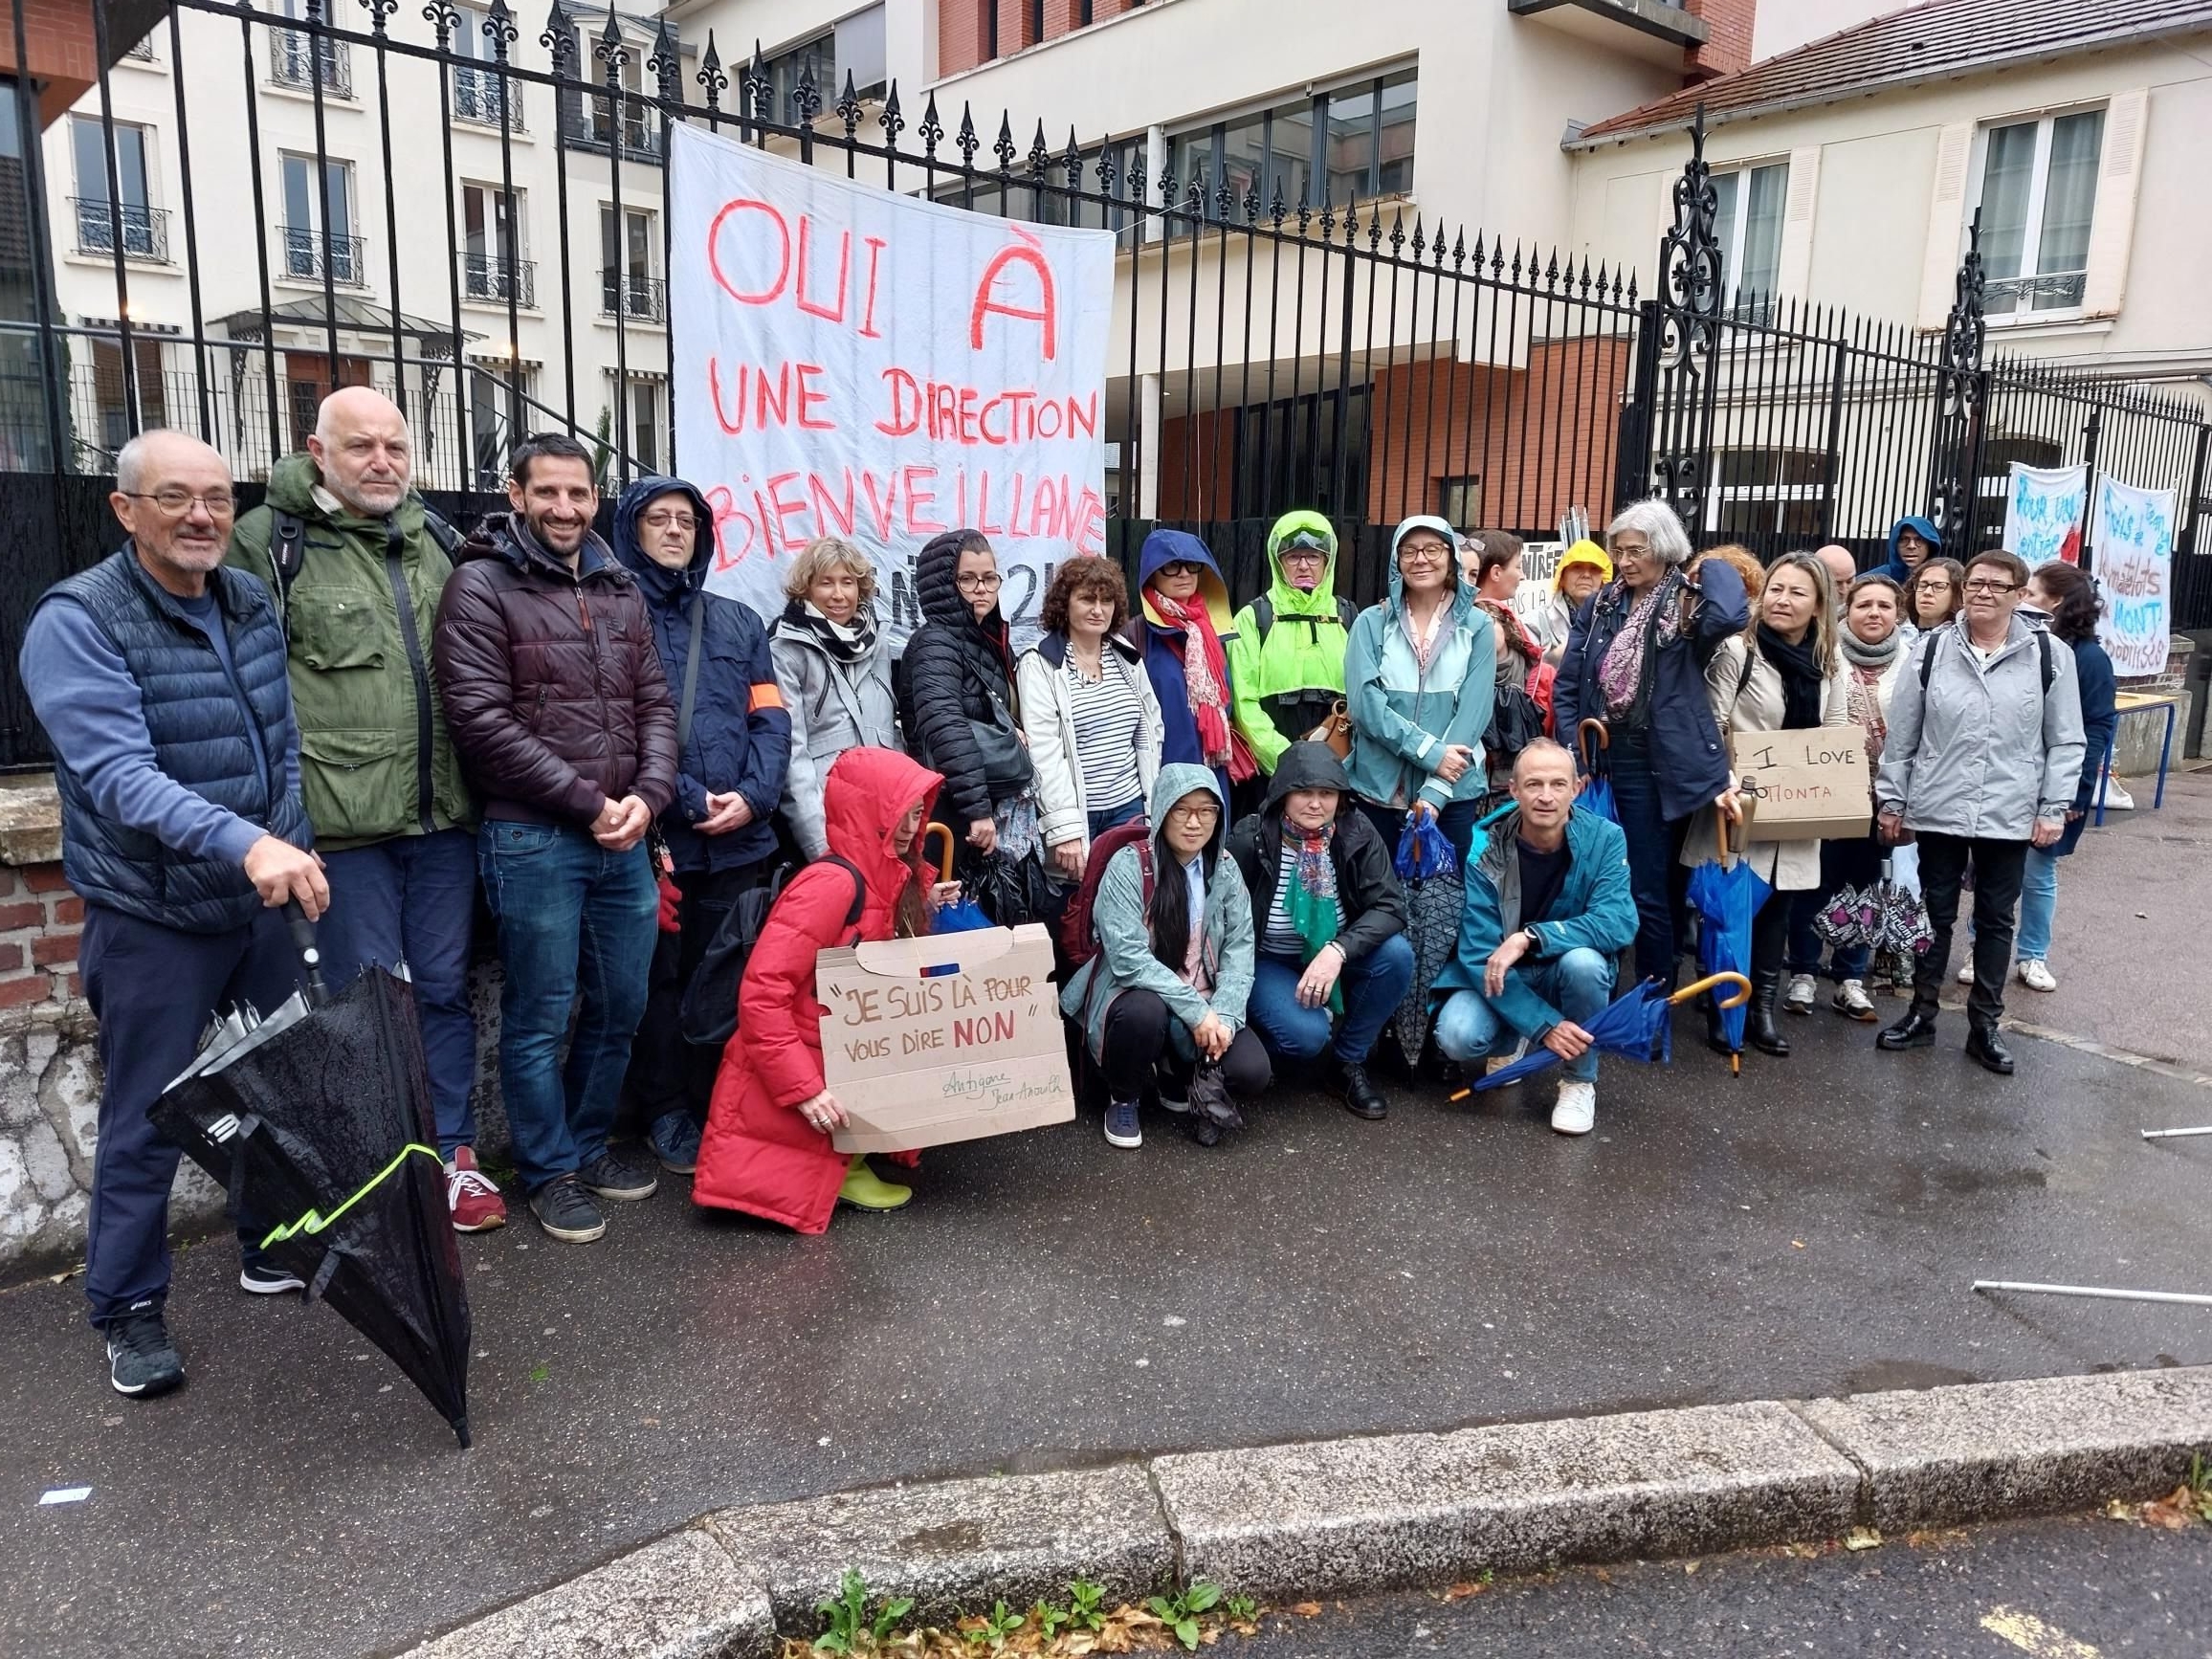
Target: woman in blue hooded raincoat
x=1185 y=630
x=1419 y=678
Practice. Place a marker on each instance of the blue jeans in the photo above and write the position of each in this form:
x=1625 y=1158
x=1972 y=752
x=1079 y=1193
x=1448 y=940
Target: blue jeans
x=1102 y=822
x=572 y=916
x=1578 y=985
x=1372 y=987
x=413 y=899
x=2038 y=906
x=1655 y=874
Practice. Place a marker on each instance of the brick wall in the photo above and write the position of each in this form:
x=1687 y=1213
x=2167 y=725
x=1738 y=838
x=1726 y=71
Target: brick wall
x=1727 y=48
x=39 y=921
x=60 y=39
x=961 y=30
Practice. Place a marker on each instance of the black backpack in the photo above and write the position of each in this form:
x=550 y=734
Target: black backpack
x=1928 y=661
x=710 y=1002
x=1264 y=617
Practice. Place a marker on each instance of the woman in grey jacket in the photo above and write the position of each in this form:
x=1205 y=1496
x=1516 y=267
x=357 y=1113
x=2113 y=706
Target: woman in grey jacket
x=1982 y=761
x=836 y=676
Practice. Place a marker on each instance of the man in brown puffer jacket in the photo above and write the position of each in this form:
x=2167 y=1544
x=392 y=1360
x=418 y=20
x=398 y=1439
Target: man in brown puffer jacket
x=556 y=700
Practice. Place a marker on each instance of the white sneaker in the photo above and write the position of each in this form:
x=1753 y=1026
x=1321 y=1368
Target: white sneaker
x=2036 y=975
x=1852 y=1002
x=1966 y=970
x=1798 y=997
x=1499 y=1062
x=1576 y=1109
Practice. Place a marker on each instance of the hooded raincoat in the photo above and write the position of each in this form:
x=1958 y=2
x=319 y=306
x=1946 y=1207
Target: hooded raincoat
x=1895 y=567
x=958 y=674
x=1367 y=889
x=1117 y=914
x=1161 y=643
x=759 y=1155
x=740 y=736
x=1403 y=715
x=1290 y=672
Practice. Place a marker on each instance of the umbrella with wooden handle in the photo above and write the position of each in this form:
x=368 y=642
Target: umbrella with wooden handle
x=1634 y=1026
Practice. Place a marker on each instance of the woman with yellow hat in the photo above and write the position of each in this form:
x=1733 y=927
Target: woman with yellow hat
x=1583 y=569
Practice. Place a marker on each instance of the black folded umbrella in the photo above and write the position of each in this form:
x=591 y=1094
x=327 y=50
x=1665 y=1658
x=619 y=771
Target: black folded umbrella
x=318 y=1118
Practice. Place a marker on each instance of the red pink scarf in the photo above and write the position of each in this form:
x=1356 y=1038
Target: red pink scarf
x=1206 y=683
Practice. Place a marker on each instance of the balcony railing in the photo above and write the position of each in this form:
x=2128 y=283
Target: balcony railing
x=143 y=52
x=2052 y=293
x=479 y=93
x=292 y=54
x=638 y=298
x=146 y=231
x=309 y=255
x=493 y=280
x=588 y=130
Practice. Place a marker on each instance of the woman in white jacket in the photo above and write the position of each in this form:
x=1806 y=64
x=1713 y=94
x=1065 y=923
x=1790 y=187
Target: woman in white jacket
x=1783 y=674
x=835 y=672
x=1089 y=711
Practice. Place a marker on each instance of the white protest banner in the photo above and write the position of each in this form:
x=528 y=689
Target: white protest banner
x=2042 y=513
x=2132 y=537
x=851 y=362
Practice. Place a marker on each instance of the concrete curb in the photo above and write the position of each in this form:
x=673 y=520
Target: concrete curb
x=1357 y=1515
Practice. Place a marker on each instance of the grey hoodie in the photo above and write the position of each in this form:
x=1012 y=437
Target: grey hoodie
x=1983 y=753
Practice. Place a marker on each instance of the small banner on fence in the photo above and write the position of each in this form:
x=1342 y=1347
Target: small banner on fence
x=2042 y=513
x=852 y=362
x=2132 y=537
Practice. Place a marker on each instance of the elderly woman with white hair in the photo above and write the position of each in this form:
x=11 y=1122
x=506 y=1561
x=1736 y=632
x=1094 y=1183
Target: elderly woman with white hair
x=1635 y=661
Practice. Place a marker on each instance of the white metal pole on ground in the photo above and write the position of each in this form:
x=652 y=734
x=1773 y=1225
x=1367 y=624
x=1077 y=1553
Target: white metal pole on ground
x=2174 y=1134
x=2102 y=1294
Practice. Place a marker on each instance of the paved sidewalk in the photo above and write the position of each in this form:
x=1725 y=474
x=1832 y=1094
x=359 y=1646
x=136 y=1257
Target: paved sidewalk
x=1809 y=1229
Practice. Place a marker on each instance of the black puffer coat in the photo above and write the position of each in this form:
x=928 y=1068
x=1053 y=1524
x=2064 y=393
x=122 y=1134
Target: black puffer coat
x=954 y=670
x=552 y=683
x=1367 y=886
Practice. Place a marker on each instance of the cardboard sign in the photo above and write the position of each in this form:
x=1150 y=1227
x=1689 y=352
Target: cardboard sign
x=1804 y=785
x=926 y=1041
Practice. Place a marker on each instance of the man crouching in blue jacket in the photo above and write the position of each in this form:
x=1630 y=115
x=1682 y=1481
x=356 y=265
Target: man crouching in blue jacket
x=733 y=746
x=1549 y=910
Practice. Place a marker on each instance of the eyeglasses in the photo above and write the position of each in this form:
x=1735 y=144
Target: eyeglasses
x=978 y=583
x=1423 y=555
x=1304 y=553
x=1180 y=567
x=1930 y=583
x=176 y=502
x=1991 y=584
x=671 y=521
x=1205 y=813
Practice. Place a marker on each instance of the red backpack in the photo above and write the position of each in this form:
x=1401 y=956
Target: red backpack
x=1078 y=938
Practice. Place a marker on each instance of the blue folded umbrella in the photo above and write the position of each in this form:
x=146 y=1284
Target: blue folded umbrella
x=1727 y=894
x=1634 y=1026
x=1423 y=851
x=1597 y=794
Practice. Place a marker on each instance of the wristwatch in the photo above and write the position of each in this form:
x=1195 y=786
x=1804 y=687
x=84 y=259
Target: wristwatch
x=1536 y=940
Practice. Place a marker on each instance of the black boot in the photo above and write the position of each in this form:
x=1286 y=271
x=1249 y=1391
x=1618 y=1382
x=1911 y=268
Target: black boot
x=1715 y=1035
x=1360 y=1097
x=1916 y=1030
x=1986 y=1047
x=1766 y=1037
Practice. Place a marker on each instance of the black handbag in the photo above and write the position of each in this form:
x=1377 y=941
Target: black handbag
x=1007 y=769
x=1014 y=890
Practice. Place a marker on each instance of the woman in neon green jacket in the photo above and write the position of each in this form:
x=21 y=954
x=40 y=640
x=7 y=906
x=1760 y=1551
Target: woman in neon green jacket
x=1287 y=660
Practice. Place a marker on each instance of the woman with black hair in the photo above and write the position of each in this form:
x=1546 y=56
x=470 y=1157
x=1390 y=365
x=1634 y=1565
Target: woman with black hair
x=957 y=696
x=1162 y=1002
x=2069 y=600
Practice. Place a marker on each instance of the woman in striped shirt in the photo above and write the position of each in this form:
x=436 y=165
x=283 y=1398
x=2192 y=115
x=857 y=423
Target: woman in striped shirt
x=1089 y=714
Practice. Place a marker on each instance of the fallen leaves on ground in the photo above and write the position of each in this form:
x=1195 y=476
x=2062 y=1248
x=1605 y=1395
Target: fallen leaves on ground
x=1863 y=1539
x=1458 y=1592
x=1307 y=1610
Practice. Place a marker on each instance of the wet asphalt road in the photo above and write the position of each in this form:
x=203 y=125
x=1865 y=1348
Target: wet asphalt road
x=1811 y=1228
x=2066 y=1589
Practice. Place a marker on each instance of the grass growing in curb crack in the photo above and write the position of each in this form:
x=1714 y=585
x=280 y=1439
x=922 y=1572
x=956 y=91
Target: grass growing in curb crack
x=854 y=1622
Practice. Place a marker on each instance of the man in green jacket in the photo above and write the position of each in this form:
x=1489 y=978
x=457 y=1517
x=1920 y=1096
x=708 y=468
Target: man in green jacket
x=357 y=565
x=1287 y=659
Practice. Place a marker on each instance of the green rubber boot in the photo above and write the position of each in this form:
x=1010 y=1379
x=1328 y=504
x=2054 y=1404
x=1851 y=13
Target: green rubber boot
x=865 y=1189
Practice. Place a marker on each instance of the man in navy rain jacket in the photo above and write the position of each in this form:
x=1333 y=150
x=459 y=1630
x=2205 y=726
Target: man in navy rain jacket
x=734 y=743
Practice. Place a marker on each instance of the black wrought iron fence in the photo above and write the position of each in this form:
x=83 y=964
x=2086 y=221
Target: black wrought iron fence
x=1271 y=350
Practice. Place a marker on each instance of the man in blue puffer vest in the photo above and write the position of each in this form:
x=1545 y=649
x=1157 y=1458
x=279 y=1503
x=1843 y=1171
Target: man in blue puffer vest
x=160 y=678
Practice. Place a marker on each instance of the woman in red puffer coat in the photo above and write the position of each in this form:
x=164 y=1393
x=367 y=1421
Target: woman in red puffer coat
x=766 y=1150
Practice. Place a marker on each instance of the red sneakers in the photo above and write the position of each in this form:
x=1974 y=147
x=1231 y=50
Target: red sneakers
x=471 y=1194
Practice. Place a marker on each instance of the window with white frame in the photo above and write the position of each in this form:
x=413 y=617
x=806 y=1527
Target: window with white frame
x=1747 y=224
x=645 y=434
x=629 y=280
x=482 y=97
x=1759 y=495
x=143 y=227
x=316 y=237
x=2038 y=197
x=492 y=266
